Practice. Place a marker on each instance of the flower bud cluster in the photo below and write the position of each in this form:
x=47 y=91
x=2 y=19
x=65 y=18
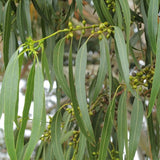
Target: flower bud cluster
x=111 y=5
x=142 y=79
x=47 y=133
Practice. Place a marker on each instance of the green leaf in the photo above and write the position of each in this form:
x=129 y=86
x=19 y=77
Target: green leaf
x=119 y=15
x=74 y=98
x=135 y=126
x=106 y=131
x=80 y=70
x=153 y=23
x=99 y=10
x=38 y=114
x=28 y=100
x=56 y=136
x=102 y=69
x=58 y=66
x=127 y=18
x=121 y=46
x=81 y=147
x=80 y=6
x=10 y=89
x=26 y=17
x=156 y=77
x=6 y=32
x=12 y=43
x=152 y=137
x=24 y=20
x=122 y=123
x=106 y=12
x=20 y=22
x=45 y=67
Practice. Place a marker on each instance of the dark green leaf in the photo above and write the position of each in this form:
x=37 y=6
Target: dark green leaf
x=58 y=66
x=156 y=77
x=10 y=89
x=135 y=126
x=152 y=137
x=99 y=10
x=6 y=32
x=28 y=100
x=106 y=12
x=153 y=23
x=106 y=131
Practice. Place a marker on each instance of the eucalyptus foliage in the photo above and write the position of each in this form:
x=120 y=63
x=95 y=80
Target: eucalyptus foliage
x=103 y=115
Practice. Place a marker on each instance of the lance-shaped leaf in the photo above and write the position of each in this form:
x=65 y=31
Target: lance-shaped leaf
x=6 y=32
x=58 y=66
x=102 y=69
x=28 y=100
x=106 y=12
x=80 y=70
x=156 y=77
x=74 y=99
x=122 y=123
x=153 y=23
x=122 y=51
x=10 y=90
x=127 y=18
x=81 y=147
x=56 y=136
x=106 y=131
x=38 y=114
x=135 y=126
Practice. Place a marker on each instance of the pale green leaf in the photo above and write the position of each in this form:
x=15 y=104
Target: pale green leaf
x=58 y=66
x=135 y=126
x=122 y=128
x=56 y=136
x=8 y=100
x=38 y=112
x=80 y=70
x=122 y=51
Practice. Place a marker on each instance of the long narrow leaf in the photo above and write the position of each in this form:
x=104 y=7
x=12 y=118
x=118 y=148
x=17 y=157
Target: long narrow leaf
x=81 y=147
x=156 y=77
x=80 y=69
x=135 y=126
x=120 y=43
x=6 y=32
x=102 y=69
x=38 y=112
x=56 y=136
x=28 y=99
x=122 y=118
x=58 y=66
x=106 y=12
x=10 y=89
x=74 y=98
x=106 y=131
x=153 y=23
x=127 y=17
